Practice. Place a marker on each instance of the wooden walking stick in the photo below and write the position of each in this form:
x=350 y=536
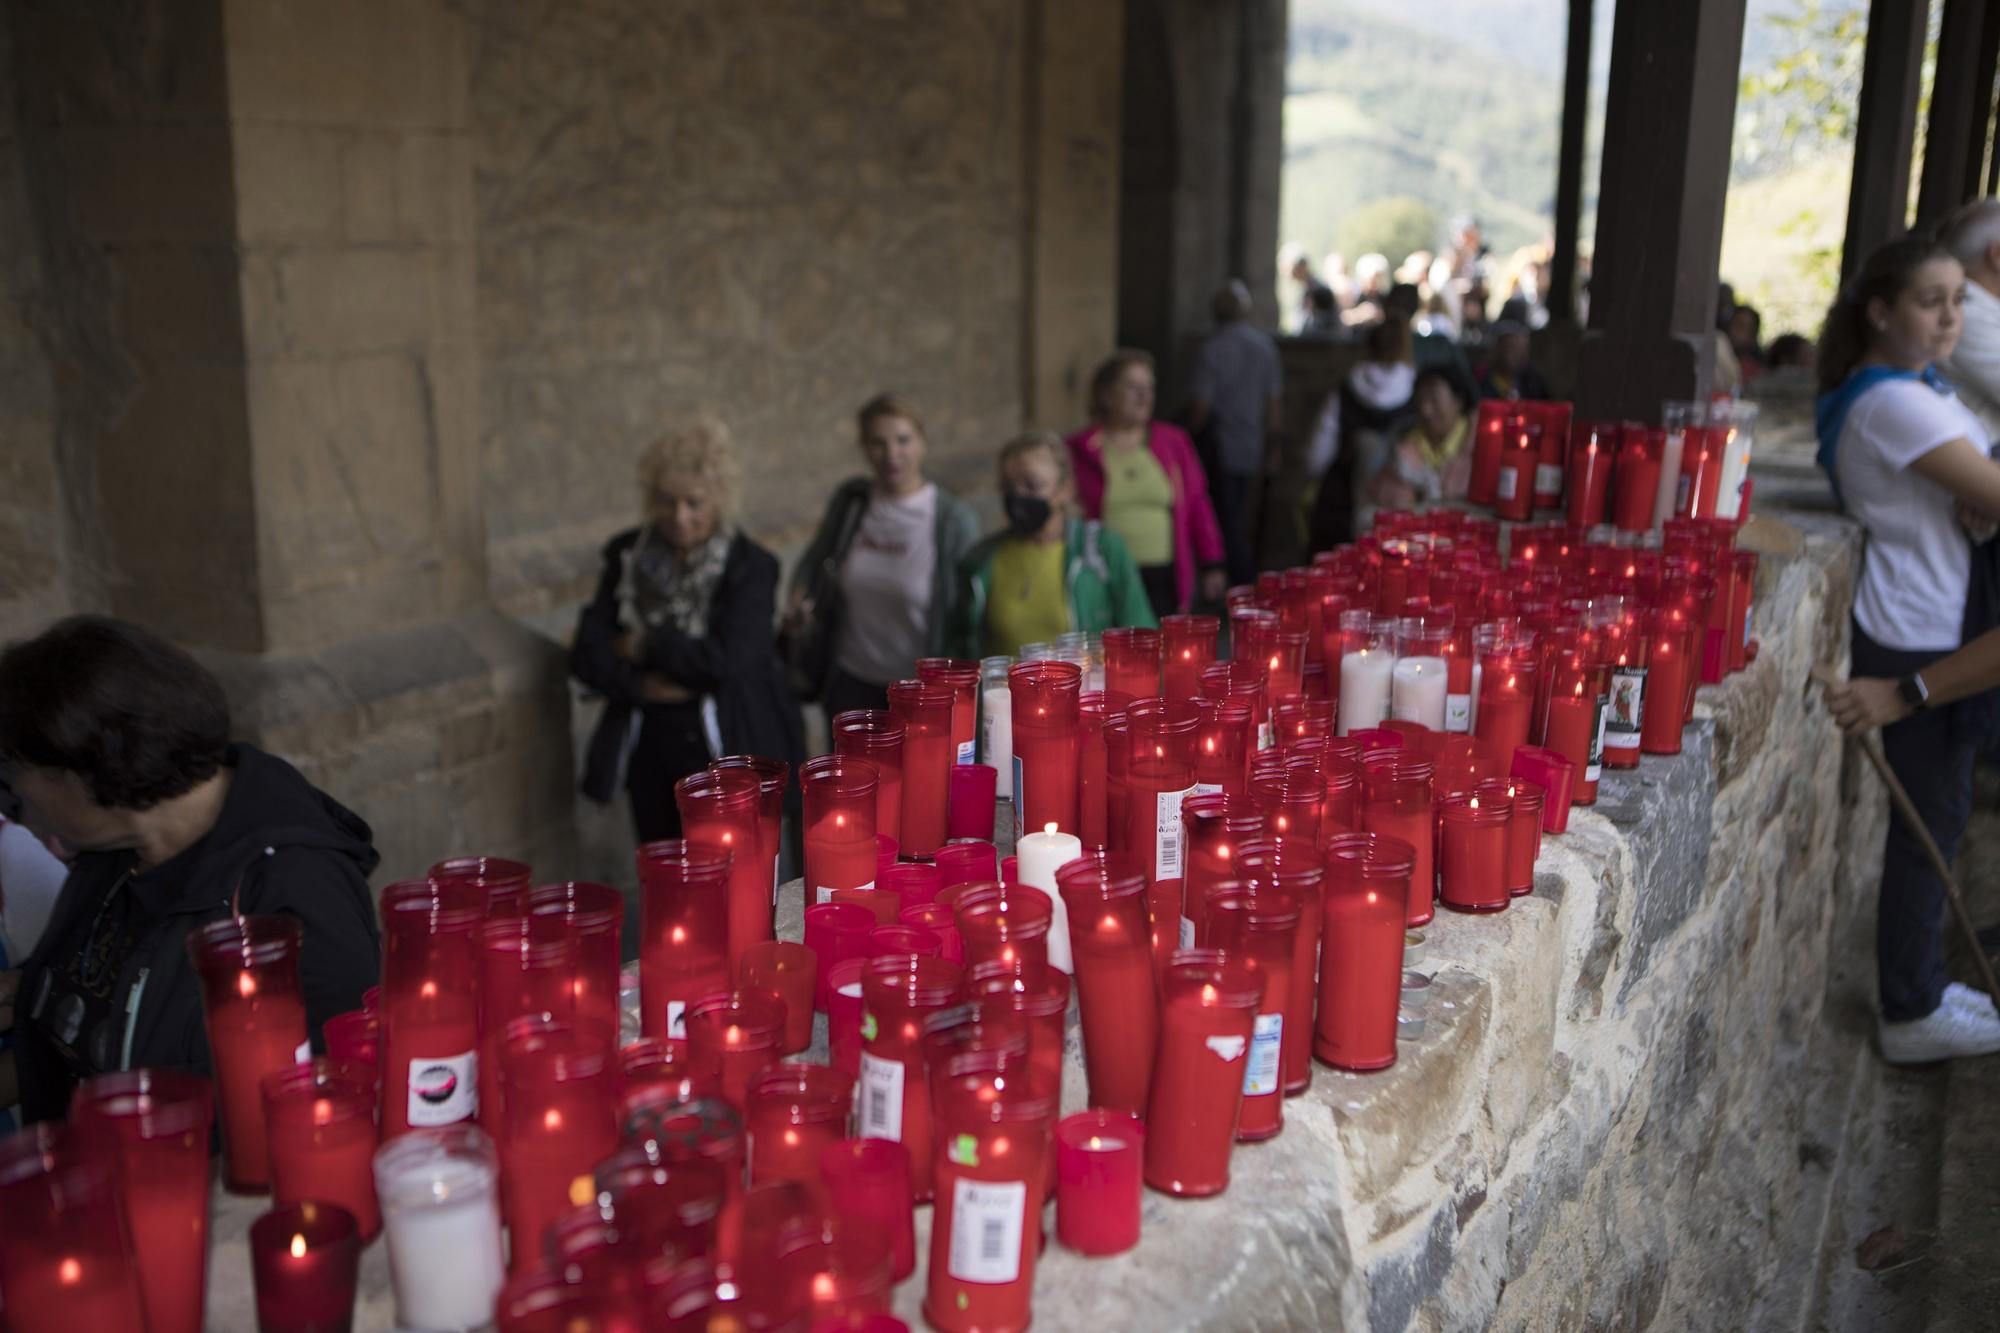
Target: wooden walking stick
x=1872 y=747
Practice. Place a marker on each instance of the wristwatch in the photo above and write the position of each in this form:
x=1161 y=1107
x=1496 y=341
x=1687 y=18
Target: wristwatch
x=1914 y=693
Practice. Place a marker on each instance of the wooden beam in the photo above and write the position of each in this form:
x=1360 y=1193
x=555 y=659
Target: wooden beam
x=1569 y=163
x=1961 y=104
x=1885 y=128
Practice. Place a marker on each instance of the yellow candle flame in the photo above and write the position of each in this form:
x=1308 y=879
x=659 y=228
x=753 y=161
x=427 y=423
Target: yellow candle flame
x=246 y=984
x=1049 y=827
x=69 y=1272
x=1095 y=1143
x=298 y=1246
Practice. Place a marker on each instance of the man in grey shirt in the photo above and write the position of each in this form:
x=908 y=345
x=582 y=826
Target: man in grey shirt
x=1236 y=389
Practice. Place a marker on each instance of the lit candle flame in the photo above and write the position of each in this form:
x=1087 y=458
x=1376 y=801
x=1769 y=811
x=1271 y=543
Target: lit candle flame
x=1049 y=827
x=298 y=1246
x=246 y=985
x=69 y=1272
x=1095 y=1143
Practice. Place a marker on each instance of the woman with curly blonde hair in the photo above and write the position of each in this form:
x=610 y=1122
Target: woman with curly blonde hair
x=678 y=639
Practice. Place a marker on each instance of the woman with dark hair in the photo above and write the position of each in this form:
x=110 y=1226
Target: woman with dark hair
x=1911 y=463
x=1142 y=479
x=1357 y=430
x=120 y=742
x=1431 y=462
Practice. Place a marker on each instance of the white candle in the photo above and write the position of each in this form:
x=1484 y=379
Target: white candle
x=1037 y=858
x=1364 y=688
x=1472 y=704
x=1418 y=691
x=996 y=747
x=441 y=1210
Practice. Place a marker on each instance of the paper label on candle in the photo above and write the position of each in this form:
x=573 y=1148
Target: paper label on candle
x=1509 y=480
x=1229 y=1048
x=1206 y=789
x=1548 y=479
x=774 y=879
x=1593 y=767
x=1266 y=737
x=1018 y=791
x=1458 y=712
x=1260 y=1076
x=1187 y=933
x=444 y=1089
x=986 y=1221
x=824 y=893
x=1625 y=709
x=304 y=1052
x=968 y=752
x=677 y=1019
x=1167 y=833
x=881 y=1098
x=1681 y=494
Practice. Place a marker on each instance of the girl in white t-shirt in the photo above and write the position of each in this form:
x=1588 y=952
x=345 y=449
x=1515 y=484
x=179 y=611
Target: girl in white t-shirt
x=1912 y=465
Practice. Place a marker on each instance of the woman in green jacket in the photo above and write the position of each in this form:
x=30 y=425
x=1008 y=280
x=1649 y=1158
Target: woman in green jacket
x=1050 y=572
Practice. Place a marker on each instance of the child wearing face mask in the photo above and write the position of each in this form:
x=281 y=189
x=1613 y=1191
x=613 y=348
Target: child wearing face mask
x=1049 y=572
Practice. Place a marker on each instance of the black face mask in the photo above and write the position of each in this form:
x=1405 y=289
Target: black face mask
x=1026 y=514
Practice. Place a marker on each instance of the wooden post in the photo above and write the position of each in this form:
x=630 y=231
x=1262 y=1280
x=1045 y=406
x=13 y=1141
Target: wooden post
x=1885 y=128
x=1569 y=163
x=1961 y=106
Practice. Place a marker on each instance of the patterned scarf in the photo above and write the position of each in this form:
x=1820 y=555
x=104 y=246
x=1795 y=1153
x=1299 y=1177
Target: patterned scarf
x=660 y=589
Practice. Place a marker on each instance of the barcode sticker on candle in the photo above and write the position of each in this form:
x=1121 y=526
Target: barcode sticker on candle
x=444 y=1089
x=1260 y=1075
x=968 y=752
x=1167 y=834
x=677 y=1019
x=1626 y=708
x=986 y=1221
x=881 y=1098
x=1458 y=712
x=304 y=1052
x=1548 y=479
x=1187 y=933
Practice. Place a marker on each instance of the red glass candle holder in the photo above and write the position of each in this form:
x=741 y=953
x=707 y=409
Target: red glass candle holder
x=1207 y=1017
x=1743 y=570
x=303 y=1260
x=971 y=808
x=835 y=932
x=1249 y=682
x=1362 y=915
x=960 y=676
x=1701 y=471
x=1508 y=663
x=1555 y=775
x=970 y=861
x=1669 y=677
x=986 y=1235
x=65 y=1255
x=1488 y=434
x=1623 y=649
x=868 y=1187
x=547 y=1301
x=742 y=1031
x=887 y=850
x=528 y=967
x=848 y=1272
x=1044 y=700
x=1291 y=800
x=1593 y=449
x=1514 y=488
x=894 y=1103
x=662 y=1205
x=773 y=780
x=1261 y=929
x=724 y=811
x=843 y=1013
x=430 y=1018
x=877 y=736
x=1223 y=746
x=928 y=757
x=1093 y=795
x=1298 y=718
x=558 y=1120
x=1042 y=1003
x=1006 y=923
x=1554 y=420
x=1187 y=644
x=1396 y=802
x=1214 y=827
x=794 y=1113
x=939 y=922
x=595 y=915
x=683 y=931
x=839 y=797
x=786 y=971
x=1578 y=697
x=1160 y=775
x=503 y=883
x=1098 y=1163
x=1297 y=872
x=1110 y=935
x=355 y=1035
x=1524 y=829
x=1132 y=659
x=1636 y=482
x=901 y=940
x=1472 y=851
x=911 y=883
x=668 y=1061
x=320 y=1120
x=255 y=1016
x=154 y=1123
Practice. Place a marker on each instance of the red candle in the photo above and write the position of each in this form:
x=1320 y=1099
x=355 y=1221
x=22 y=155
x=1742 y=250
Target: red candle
x=1296 y=872
x=558 y=1120
x=1248 y=681
x=848 y=1273
x=1290 y=800
x=1489 y=431
x=1514 y=488
x=886 y=851
x=503 y=883
x=1524 y=829
x=1160 y=775
x=967 y=861
x=155 y=1124
x=1117 y=792
x=1093 y=796
x=938 y=921
x=1261 y=929
x=1668 y=681
x=1213 y=827
x=897 y=993
x=839 y=799
x=528 y=967
x=1589 y=480
x=843 y=1013
x=65 y=1257
x=1396 y=802
x=1554 y=420
x=989 y=1163
x=683 y=931
x=1110 y=936
x=1555 y=775
x=1132 y=662
x=1043 y=1003
x=899 y=939
x=911 y=883
x=1578 y=697
x=1340 y=800
x=595 y=915
x=742 y=1031
x=928 y=757
x=868 y=1188
x=1044 y=697
x=1098 y=1159
x=1743 y=570
x=1701 y=471
x=1208 y=1014
x=795 y=1112
x=835 y=932
x=1507 y=661
x=547 y=1301
x=660 y=1203
x=1222 y=746
x=877 y=736
x=971 y=808
x=1299 y=718
x=1006 y=923
x=303 y=1257
x=255 y=1015
x=320 y=1118
x=1187 y=644
x=723 y=810
x=1361 y=950
x=1637 y=482
x=1472 y=842
x=430 y=1005
x=960 y=676
x=660 y=1060
x=785 y=971
x=355 y=1035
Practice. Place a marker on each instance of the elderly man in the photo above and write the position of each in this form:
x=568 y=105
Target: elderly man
x=1973 y=235
x=1236 y=388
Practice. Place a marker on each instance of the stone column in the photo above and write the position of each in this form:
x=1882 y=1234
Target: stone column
x=1667 y=120
x=259 y=217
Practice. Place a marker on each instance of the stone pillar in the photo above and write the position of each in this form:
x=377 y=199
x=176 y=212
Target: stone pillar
x=1885 y=125
x=258 y=220
x=1961 y=107
x=1667 y=120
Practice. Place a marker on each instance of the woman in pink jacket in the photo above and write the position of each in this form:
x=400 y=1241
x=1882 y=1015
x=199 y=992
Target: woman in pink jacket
x=1142 y=479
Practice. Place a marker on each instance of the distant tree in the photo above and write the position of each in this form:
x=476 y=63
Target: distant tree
x=1394 y=225
x=1803 y=102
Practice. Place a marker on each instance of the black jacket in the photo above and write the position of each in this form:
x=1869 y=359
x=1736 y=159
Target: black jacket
x=736 y=661
x=280 y=846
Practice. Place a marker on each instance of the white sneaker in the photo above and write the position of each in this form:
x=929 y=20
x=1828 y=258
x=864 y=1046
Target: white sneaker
x=1943 y=1034
x=1970 y=1000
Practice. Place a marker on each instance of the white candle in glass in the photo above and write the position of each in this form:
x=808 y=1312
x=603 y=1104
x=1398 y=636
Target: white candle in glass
x=1417 y=694
x=1037 y=857
x=439 y=1190
x=996 y=746
x=1364 y=688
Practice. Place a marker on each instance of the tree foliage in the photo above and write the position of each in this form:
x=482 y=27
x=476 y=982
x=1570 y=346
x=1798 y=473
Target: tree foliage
x=1394 y=225
x=1804 y=101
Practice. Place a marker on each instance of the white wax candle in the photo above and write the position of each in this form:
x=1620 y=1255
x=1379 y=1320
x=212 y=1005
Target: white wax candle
x=1037 y=858
x=442 y=1215
x=1364 y=688
x=1418 y=691
x=996 y=746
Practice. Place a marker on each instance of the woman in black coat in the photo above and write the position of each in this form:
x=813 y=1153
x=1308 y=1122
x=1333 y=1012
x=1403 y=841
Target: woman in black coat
x=678 y=639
